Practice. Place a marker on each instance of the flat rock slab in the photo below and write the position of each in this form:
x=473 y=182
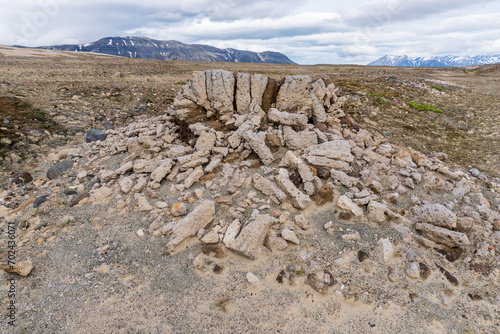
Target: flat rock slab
x=435 y=214
x=191 y=224
x=251 y=237
x=442 y=235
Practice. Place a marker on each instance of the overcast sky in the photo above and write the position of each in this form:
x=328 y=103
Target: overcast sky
x=308 y=32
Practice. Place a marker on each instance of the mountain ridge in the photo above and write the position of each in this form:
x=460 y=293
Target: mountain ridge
x=436 y=61
x=148 y=48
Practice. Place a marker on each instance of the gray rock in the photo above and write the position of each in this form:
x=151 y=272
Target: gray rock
x=442 y=235
x=413 y=270
x=435 y=214
x=251 y=237
x=289 y=235
x=95 y=135
x=59 y=168
x=39 y=200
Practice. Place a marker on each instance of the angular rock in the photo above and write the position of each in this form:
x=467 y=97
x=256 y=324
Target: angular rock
x=99 y=195
x=220 y=93
x=253 y=280
x=125 y=168
x=232 y=232
x=299 y=199
x=335 y=149
x=189 y=226
x=376 y=212
x=297 y=121
x=442 y=235
x=257 y=88
x=243 y=93
x=179 y=209
x=159 y=173
x=300 y=140
x=143 y=204
x=193 y=177
x=346 y=203
x=251 y=236
x=106 y=176
x=435 y=214
x=22 y=268
x=289 y=235
x=212 y=237
x=259 y=147
x=59 y=168
x=95 y=135
x=206 y=141
x=413 y=270
x=386 y=249
x=346 y=180
x=268 y=188
x=126 y=184
x=294 y=95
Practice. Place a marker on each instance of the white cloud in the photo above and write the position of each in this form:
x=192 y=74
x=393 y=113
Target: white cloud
x=321 y=31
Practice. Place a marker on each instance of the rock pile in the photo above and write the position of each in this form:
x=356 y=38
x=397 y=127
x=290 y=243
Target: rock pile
x=248 y=158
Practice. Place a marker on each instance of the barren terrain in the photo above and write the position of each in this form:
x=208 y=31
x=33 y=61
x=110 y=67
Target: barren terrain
x=103 y=255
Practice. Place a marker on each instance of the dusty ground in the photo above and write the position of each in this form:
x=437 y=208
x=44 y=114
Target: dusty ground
x=95 y=274
x=57 y=86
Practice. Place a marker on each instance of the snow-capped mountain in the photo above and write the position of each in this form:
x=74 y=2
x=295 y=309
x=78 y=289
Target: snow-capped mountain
x=143 y=47
x=445 y=61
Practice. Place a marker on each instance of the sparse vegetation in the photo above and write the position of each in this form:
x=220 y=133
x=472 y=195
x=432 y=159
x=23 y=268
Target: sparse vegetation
x=181 y=83
x=221 y=304
x=379 y=99
x=300 y=273
x=437 y=88
x=424 y=107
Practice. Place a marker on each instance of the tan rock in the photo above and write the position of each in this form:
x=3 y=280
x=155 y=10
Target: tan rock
x=179 y=209
x=259 y=147
x=189 y=226
x=442 y=235
x=298 y=198
x=346 y=203
x=159 y=173
x=194 y=177
x=268 y=188
x=21 y=268
x=251 y=236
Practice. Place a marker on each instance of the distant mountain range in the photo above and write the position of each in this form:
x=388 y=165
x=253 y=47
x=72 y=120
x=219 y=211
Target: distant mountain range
x=143 y=47
x=445 y=61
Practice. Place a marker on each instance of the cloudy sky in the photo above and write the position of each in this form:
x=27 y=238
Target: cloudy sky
x=307 y=31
